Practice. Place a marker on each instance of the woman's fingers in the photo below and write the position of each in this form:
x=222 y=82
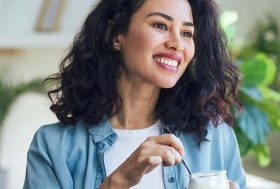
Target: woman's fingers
x=170 y=156
x=233 y=185
x=164 y=149
x=168 y=147
x=169 y=140
x=154 y=160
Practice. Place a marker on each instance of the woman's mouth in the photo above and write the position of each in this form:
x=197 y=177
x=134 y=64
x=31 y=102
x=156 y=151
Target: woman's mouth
x=168 y=62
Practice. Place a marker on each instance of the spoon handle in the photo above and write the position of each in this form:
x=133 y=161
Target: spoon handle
x=183 y=161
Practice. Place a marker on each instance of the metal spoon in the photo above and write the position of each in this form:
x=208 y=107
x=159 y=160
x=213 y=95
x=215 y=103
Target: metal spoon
x=183 y=161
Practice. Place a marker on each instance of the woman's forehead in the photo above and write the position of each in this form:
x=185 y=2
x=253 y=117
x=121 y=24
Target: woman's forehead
x=177 y=9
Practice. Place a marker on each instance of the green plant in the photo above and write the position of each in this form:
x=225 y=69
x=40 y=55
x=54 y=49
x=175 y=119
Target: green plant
x=10 y=93
x=265 y=37
x=261 y=113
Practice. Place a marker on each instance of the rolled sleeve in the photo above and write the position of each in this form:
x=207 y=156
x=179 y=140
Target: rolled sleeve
x=235 y=171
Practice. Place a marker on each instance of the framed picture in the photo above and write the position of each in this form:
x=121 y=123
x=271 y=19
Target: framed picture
x=50 y=15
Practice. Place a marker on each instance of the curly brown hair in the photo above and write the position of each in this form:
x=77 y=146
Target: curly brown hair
x=88 y=74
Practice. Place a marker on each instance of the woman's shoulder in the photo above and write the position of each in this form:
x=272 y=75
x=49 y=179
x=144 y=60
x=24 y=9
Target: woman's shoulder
x=221 y=136
x=222 y=129
x=60 y=129
x=58 y=135
x=61 y=149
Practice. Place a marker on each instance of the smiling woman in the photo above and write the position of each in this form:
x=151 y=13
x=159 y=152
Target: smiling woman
x=137 y=70
x=158 y=45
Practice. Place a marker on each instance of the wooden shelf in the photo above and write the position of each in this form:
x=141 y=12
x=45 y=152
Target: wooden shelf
x=36 y=41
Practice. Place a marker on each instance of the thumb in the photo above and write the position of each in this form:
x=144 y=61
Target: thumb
x=233 y=185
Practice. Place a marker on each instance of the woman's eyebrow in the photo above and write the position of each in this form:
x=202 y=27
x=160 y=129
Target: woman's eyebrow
x=167 y=17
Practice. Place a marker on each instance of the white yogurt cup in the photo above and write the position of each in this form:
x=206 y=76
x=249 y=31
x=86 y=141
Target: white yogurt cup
x=209 y=180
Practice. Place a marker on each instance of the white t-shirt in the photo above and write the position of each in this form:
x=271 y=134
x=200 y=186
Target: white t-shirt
x=127 y=142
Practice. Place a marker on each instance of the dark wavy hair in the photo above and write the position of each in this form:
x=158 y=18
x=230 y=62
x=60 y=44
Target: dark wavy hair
x=86 y=83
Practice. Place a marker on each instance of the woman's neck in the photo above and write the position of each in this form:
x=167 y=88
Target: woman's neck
x=138 y=105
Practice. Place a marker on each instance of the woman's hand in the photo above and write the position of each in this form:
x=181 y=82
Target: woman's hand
x=165 y=149
x=233 y=185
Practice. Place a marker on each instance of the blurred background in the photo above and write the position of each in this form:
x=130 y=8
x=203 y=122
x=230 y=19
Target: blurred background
x=35 y=35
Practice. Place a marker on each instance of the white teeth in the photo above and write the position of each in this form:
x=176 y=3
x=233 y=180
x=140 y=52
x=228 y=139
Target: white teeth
x=167 y=61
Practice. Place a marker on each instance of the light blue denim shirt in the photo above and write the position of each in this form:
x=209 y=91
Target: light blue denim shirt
x=71 y=156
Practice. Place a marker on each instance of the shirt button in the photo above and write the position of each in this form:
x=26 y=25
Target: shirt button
x=112 y=139
x=100 y=145
x=171 y=179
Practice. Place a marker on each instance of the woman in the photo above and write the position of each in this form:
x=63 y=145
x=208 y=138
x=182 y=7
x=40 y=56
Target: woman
x=138 y=70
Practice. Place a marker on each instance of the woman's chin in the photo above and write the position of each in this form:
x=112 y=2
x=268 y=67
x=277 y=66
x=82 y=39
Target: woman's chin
x=167 y=85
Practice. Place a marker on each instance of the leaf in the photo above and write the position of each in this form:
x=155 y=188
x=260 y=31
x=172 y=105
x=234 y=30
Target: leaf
x=6 y=99
x=272 y=111
x=270 y=94
x=263 y=154
x=270 y=71
x=254 y=123
x=10 y=93
x=253 y=72
x=254 y=97
x=259 y=71
x=251 y=94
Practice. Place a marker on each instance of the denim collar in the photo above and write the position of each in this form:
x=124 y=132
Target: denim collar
x=102 y=130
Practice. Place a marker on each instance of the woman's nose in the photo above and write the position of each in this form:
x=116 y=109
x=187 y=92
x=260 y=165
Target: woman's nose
x=175 y=43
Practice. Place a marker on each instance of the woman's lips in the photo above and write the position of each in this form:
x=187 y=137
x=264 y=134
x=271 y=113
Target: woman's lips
x=171 y=56
x=167 y=61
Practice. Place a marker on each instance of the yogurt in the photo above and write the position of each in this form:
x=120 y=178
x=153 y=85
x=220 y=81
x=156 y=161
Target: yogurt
x=209 y=180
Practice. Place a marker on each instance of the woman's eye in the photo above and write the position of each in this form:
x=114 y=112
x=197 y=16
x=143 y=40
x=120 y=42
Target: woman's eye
x=161 y=26
x=187 y=34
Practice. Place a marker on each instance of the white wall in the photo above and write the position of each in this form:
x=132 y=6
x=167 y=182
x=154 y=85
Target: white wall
x=20 y=16
x=249 y=11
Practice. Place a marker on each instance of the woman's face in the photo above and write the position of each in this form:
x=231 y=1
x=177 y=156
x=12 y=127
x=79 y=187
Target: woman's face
x=159 y=43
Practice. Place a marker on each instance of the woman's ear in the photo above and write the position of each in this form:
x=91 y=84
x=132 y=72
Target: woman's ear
x=117 y=43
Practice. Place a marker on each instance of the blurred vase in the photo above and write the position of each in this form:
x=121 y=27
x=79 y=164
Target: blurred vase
x=3 y=179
